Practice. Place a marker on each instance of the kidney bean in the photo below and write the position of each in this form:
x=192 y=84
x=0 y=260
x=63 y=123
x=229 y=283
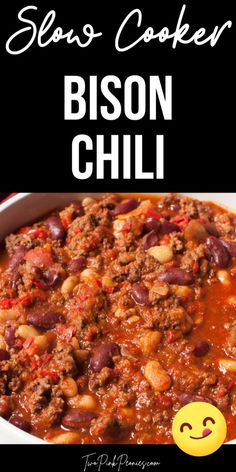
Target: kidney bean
x=50 y=277
x=167 y=227
x=56 y=228
x=74 y=417
x=175 y=206
x=220 y=254
x=211 y=229
x=186 y=398
x=150 y=239
x=16 y=258
x=152 y=224
x=201 y=349
x=4 y=355
x=176 y=276
x=230 y=246
x=46 y=319
x=125 y=206
x=76 y=265
x=9 y=336
x=140 y=294
x=78 y=207
x=102 y=356
x=20 y=423
x=14 y=279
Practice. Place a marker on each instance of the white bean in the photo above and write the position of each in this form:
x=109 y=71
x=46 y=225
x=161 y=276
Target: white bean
x=87 y=201
x=69 y=284
x=6 y=315
x=85 y=402
x=26 y=331
x=158 y=378
x=228 y=365
x=162 y=253
x=66 y=438
x=42 y=343
x=150 y=341
x=69 y=387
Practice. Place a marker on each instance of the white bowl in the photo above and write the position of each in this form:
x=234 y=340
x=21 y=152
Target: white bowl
x=23 y=208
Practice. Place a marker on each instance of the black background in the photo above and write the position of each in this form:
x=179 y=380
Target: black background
x=170 y=458
x=199 y=141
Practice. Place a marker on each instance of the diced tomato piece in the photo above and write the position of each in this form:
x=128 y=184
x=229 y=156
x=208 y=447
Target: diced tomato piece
x=40 y=284
x=164 y=240
x=25 y=230
x=150 y=213
x=66 y=219
x=66 y=333
x=41 y=233
x=34 y=364
x=230 y=385
x=5 y=303
x=77 y=230
x=165 y=401
x=109 y=289
x=99 y=283
x=221 y=391
x=41 y=362
x=18 y=343
x=36 y=232
x=111 y=253
x=87 y=291
x=25 y=301
x=126 y=284
x=172 y=335
x=54 y=377
x=39 y=257
x=180 y=220
x=45 y=358
x=195 y=267
x=126 y=228
x=28 y=342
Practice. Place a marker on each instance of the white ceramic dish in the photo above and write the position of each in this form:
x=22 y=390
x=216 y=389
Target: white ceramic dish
x=26 y=207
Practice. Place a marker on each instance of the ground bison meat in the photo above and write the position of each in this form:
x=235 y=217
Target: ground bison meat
x=13 y=369
x=101 y=378
x=225 y=224
x=15 y=240
x=132 y=270
x=38 y=394
x=51 y=415
x=105 y=425
x=63 y=360
x=3 y=383
x=192 y=379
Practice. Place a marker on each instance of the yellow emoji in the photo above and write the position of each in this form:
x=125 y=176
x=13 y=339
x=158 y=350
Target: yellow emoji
x=199 y=429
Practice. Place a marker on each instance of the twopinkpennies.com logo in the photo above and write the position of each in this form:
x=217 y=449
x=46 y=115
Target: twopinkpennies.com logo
x=117 y=462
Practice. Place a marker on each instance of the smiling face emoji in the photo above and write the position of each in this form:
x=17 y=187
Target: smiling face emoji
x=199 y=429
